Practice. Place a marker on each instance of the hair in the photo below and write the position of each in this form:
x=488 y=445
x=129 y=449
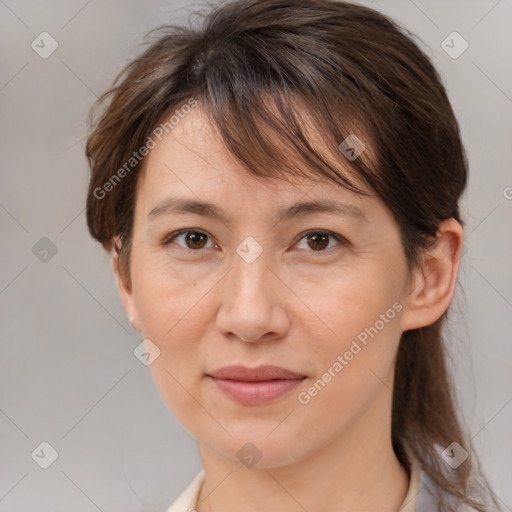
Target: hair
x=257 y=68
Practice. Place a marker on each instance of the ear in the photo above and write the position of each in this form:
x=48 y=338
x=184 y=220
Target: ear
x=125 y=291
x=433 y=284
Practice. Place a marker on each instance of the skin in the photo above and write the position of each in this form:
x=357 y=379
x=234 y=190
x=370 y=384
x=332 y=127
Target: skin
x=293 y=306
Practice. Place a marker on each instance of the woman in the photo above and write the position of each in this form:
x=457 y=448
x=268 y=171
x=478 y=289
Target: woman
x=279 y=188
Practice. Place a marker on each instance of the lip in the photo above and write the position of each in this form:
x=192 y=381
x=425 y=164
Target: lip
x=255 y=385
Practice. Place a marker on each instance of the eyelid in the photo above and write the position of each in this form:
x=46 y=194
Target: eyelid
x=171 y=236
x=343 y=242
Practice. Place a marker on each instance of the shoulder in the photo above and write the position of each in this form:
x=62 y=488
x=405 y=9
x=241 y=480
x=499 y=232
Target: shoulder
x=186 y=501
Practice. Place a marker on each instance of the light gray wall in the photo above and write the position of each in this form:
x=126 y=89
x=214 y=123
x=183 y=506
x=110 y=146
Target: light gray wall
x=68 y=375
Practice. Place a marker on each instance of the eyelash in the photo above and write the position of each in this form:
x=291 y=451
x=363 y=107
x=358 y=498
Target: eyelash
x=343 y=242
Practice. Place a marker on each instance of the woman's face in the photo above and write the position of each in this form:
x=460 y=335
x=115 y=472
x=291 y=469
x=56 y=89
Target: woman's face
x=255 y=280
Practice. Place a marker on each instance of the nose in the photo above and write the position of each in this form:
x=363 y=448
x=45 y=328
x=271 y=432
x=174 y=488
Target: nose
x=253 y=304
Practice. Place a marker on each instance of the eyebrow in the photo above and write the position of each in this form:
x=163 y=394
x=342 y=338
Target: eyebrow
x=301 y=209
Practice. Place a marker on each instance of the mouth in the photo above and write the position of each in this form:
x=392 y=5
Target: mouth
x=255 y=386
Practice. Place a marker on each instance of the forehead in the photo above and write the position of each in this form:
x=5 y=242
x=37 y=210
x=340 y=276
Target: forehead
x=192 y=156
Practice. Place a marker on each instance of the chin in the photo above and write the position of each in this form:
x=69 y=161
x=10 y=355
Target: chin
x=253 y=446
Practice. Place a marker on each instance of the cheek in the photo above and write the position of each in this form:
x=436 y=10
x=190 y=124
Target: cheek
x=172 y=313
x=166 y=295
x=353 y=373
x=354 y=355
x=342 y=304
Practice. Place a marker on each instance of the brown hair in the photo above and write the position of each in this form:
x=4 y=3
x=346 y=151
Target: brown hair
x=346 y=66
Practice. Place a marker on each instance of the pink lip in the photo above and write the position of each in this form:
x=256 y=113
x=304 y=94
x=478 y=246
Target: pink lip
x=257 y=385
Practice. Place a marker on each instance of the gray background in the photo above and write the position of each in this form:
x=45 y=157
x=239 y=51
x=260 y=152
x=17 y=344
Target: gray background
x=68 y=375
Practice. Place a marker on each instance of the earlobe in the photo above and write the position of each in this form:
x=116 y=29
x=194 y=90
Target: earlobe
x=125 y=292
x=433 y=286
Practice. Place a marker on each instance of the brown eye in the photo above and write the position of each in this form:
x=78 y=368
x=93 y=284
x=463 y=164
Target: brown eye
x=319 y=241
x=193 y=239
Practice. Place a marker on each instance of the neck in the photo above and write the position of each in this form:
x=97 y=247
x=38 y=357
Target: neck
x=357 y=470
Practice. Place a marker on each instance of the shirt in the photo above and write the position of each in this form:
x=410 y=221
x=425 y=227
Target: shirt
x=417 y=499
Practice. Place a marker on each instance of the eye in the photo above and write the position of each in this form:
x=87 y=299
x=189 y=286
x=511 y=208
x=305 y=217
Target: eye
x=193 y=239
x=319 y=241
